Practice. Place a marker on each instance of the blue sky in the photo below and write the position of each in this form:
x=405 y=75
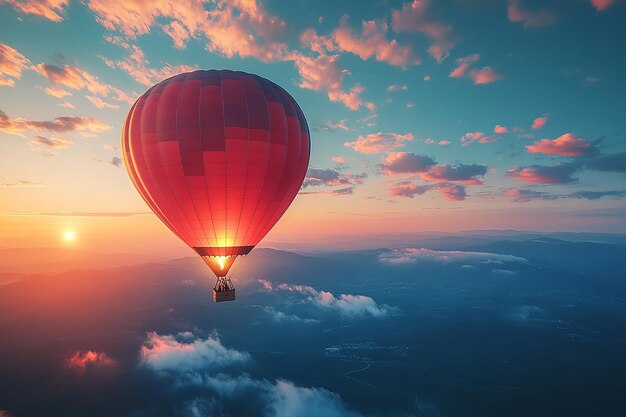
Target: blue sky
x=404 y=96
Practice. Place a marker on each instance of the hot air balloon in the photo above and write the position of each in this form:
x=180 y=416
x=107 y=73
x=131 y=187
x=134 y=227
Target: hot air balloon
x=218 y=156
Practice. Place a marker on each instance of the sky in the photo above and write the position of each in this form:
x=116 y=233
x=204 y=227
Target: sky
x=425 y=116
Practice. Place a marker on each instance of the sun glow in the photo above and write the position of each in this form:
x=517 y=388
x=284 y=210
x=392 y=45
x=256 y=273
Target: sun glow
x=69 y=235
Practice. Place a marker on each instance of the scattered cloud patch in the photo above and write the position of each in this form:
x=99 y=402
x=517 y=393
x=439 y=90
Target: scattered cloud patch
x=376 y=143
x=83 y=360
x=417 y=16
x=478 y=137
x=8 y=183
x=185 y=352
x=115 y=161
x=539 y=174
x=565 y=145
x=500 y=129
x=11 y=65
x=58 y=125
x=518 y=12
x=464 y=69
x=101 y=104
x=540 y=122
x=601 y=5
x=346 y=304
x=48 y=9
x=49 y=145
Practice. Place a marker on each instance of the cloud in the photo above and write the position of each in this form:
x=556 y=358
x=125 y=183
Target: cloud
x=565 y=145
x=7 y=183
x=538 y=174
x=405 y=163
x=608 y=163
x=540 y=122
x=397 y=87
x=519 y=195
x=468 y=174
x=89 y=360
x=58 y=125
x=101 y=104
x=322 y=73
x=372 y=42
x=238 y=28
x=525 y=195
x=48 y=9
x=332 y=126
x=463 y=65
x=601 y=5
x=4 y=413
x=346 y=304
x=185 y=352
x=450 y=192
x=500 y=129
x=517 y=12
x=279 y=316
x=478 y=137
x=376 y=143
x=416 y=17
x=596 y=195
x=415 y=255
x=115 y=161
x=334 y=192
x=136 y=65
x=317 y=43
x=330 y=177
x=485 y=75
x=11 y=65
x=67 y=105
x=49 y=145
x=339 y=159
x=57 y=92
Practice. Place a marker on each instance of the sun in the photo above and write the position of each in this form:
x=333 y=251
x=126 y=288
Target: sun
x=69 y=235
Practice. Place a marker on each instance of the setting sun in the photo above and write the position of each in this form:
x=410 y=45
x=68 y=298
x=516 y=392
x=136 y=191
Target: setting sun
x=69 y=235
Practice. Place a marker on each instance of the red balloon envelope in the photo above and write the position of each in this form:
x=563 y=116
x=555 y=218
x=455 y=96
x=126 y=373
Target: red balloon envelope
x=218 y=156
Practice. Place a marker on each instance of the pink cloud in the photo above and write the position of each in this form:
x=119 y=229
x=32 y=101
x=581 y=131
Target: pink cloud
x=602 y=4
x=462 y=65
x=405 y=163
x=537 y=174
x=416 y=17
x=48 y=9
x=89 y=359
x=373 y=42
x=397 y=87
x=237 y=28
x=67 y=105
x=59 y=124
x=322 y=73
x=539 y=122
x=529 y=18
x=316 y=43
x=519 y=195
x=450 y=192
x=11 y=65
x=500 y=129
x=339 y=159
x=443 y=143
x=485 y=75
x=379 y=142
x=57 y=92
x=478 y=137
x=565 y=145
x=466 y=174
x=101 y=104
x=136 y=65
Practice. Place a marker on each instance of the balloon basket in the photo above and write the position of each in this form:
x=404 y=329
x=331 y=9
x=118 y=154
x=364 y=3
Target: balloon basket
x=224 y=290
